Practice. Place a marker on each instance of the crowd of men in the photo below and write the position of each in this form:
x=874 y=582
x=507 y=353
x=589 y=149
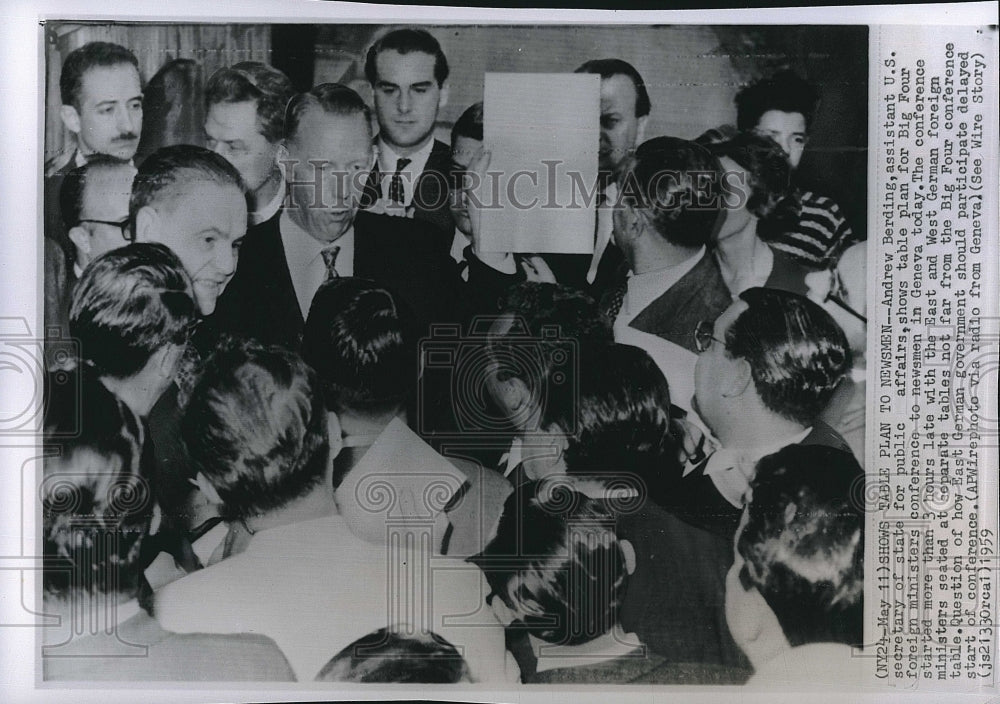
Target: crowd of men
x=305 y=428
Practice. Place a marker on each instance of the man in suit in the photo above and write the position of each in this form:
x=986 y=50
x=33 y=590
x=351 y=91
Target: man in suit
x=94 y=207
x=245 y=114
x=101 y=95
x=663 y=223
x=323 y=234
x=768 y=367
x=408 y=73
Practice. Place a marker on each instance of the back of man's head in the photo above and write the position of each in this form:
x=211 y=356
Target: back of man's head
x=88 y=56
x=404 y=41
x=96 y=503
x=128 y=305
x=469 y=124
x=556 y=564
x=617 y=419
x=389 y=656
x=606 y=68
x=256 y=429
x=803 y=542
x=785 y=91
x=331 y=98
x=169 y=171
x=797 y=353
x=269 y=88
x=359 y=339
x=674 y=182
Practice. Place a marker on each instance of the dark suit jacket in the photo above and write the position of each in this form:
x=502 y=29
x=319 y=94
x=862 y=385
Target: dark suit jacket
x=54 y=229
x=700 y=294
x=695 y=499
x=397 y=252
x=59 y=281
x=430 y=193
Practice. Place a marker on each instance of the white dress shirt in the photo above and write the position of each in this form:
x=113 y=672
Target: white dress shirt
x=732 y=469
x=305 y=260
x=387 y=158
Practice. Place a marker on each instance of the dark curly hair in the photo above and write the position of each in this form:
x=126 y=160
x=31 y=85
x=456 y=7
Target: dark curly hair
x=796 y=351
x=785 y=91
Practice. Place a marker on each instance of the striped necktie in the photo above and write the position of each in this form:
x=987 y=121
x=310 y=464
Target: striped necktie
x=396 y=184
x=330 y=260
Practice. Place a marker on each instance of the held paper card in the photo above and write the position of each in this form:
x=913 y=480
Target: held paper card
x=543 y=150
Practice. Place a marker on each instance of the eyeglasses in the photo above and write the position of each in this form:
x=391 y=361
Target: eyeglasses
x=122 y=225
x=837 y=294
x=703 y=335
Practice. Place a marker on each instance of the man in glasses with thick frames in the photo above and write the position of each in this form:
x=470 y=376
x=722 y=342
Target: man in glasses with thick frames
x=766 y=370
x=93 y=201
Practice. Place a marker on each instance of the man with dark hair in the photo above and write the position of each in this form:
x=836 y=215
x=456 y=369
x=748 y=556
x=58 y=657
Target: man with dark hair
x=795 y=592
x=392 y=657
x=668 y=212
x=101 y=94
x=245 y=123
x=97 y=506
x=782 y=107
x=768 y=367
x=131 y=315
x=94 y=207
x=360 y=341
x=322 y=235
x=258 y=433
x=625 y=108
x=558 y=574
x=193 y=201
x=408 y=73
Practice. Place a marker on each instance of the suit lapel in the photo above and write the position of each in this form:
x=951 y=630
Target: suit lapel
x=278 y=277
x=699 y=295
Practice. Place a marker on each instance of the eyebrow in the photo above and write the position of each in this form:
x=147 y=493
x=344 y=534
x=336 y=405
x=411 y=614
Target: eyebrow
x=113 y=101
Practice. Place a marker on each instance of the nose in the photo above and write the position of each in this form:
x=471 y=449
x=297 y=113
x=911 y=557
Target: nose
x=225 y=258
x=125 y=121
x=404 y=102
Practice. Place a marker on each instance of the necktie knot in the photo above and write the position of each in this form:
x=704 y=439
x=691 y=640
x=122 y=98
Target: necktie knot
x=396 y=184
x=330 y=260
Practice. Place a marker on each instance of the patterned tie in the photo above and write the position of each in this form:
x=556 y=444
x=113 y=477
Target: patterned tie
x=330 y=259
x=616 y=300
x=396 y=184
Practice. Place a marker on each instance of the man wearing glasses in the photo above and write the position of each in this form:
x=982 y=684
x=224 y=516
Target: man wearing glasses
x=93 y=201
x=766 y=370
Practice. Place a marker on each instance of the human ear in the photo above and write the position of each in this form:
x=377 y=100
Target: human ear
x=206 y=488
x=628 y=552
x=640 y=132
x=443 y=95
x=147 y=225
x=70 y=118
x=81 y=238
x=740 y=380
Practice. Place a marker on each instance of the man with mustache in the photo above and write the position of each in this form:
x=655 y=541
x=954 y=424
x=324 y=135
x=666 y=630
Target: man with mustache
x=101 y=95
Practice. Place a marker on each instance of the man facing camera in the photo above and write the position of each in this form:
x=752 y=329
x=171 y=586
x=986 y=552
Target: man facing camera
x=94 y=207
x=246 y=113
x=101 y=95
x=408 y=73
x=193 y=201
x=795 y=592
x=323 y=236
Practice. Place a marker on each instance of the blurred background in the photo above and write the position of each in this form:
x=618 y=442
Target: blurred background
x=692 y=73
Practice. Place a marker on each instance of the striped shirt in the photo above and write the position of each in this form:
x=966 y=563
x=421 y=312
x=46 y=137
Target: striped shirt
x=819 y=236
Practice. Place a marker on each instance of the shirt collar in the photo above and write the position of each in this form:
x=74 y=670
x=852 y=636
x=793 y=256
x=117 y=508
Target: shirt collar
x=301 y=248
x=613 y=644
x=387 y=157
x=458 y=244
x=645 y=288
